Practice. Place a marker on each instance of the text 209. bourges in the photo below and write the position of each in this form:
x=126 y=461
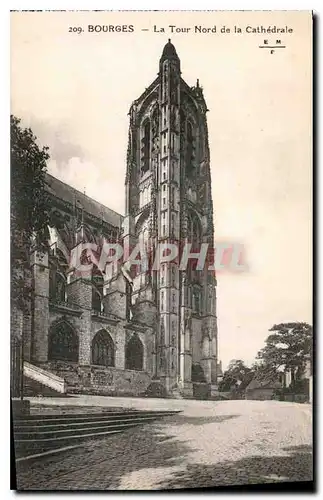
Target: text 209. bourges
x=100 y=28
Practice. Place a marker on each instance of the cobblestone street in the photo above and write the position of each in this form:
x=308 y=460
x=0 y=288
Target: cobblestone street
x=208 y=444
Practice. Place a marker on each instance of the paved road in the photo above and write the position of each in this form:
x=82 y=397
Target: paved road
x=208 y=444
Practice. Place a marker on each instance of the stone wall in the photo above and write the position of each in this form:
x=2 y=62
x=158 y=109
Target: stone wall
x=196 y=340
x=101 y=380
x=260 y=394
x=201 y=391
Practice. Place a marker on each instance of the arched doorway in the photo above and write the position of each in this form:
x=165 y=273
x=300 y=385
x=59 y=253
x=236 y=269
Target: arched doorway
x=63 y=343
x=134 y=354
x=103 y=351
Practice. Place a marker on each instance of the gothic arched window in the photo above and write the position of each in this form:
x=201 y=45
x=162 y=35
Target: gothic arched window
x=145 y=147
x=60 y=287
x=134 y=354
x=57 y=278
x=97 y=289
x=194 y=231
x=63 y=343
x=190 y=146
x=155 y=121
x=103 y=351
x=197 y=300
x=165 y=81
x=96 y=300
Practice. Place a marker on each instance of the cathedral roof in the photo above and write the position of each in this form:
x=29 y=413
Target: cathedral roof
x=70 y=195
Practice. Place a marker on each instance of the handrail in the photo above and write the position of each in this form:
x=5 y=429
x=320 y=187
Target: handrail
x=44 y=377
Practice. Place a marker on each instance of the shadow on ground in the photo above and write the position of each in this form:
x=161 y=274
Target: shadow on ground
x=185 y=419
x=100 y=465
x=143 y=457
x=252 y=470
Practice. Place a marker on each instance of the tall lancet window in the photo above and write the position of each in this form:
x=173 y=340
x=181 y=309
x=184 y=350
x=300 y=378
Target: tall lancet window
x=145 y=147
x=194 y=236
x=190 y=146
x=194 y=231
x=165 y=82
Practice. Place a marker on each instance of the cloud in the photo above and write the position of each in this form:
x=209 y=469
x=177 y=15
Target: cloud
x=57 y=137
x=86 y=176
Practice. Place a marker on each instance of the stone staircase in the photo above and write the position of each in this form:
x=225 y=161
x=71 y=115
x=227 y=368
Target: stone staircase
x=38 y=381
x=41 y=433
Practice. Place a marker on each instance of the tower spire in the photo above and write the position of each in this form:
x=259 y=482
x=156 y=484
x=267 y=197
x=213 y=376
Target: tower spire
x=169 y=54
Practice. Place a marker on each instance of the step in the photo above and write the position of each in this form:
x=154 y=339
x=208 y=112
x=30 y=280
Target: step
x=24 y=449
x=63 y=433
x=41 y=415
x=47 y=436
x=63 y=423
x=78 y=427
x=36 y=420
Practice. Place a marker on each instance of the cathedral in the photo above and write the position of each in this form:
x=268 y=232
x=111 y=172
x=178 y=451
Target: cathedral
x=142 y=332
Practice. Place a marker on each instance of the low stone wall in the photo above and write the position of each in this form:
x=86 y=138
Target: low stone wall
x=20 y=408
x=293 y=398
x=201 y=390
x=260 y=394
x=101 y=380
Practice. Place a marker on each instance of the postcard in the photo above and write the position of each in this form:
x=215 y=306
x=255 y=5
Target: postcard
x=161 y=249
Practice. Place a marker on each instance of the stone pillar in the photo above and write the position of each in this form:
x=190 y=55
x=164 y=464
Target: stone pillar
x=120 y=342
x=206 y=357
x=214 y=356
x=129 y=239
x=40 y=323
x=79 y=291
x=185 y=381
x=115 y=299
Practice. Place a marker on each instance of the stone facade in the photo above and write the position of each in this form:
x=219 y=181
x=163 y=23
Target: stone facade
x=104 y=333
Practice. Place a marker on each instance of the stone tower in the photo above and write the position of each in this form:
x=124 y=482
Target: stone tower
x=168 y=199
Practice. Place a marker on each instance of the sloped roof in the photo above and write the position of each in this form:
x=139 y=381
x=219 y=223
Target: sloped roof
x=263 y=384
x=71 y=195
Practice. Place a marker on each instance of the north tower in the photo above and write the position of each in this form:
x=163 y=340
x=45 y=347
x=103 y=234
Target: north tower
x=168 y=199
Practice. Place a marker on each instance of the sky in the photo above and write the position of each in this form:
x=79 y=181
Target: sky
x=75 y=90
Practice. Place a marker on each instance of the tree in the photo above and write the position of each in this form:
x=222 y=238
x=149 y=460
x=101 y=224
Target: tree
x=287 y=349
x=237 y=375
x=28 y=210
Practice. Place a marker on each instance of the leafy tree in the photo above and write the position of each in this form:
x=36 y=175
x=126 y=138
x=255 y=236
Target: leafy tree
x=237 y=375
x=287 y=349
x=28 y=213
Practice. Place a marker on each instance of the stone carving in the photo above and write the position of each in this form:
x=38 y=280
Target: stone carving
x=102 y=378
x=206 y=333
